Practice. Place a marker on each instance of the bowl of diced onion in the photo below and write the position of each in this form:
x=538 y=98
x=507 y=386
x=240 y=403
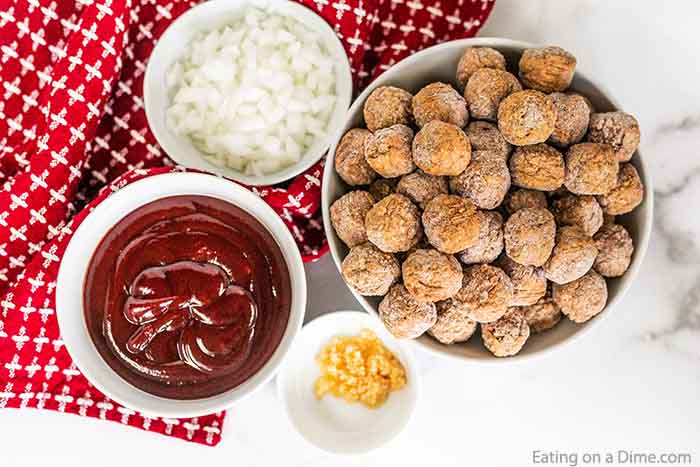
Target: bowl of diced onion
x=251 y=90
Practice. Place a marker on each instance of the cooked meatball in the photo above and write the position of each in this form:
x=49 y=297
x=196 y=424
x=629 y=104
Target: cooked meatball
x=440 y=101
x=487 y=292
x=441 y=148
x=537 y=167
x=591 y=169
x=583 y=298
x=403 y=315
x=393 y=224
x=348 y=216
x=547 y=69
x=526 y=117
x=421 y=187
x=506 y=336
x=583 y=211
x=572 y=256
x=453 y=325
x=618 y=129
x=485 y=181
x=615 y=248
x=475 y=58
x=529 y=236
x=387 y=106
x=485 y=90
x=627 y=193
x=543 y=315
x=431 y=276
x=369 y=270
x=350 y=163
x=490 y=242
x=573 y=116
x=450 y=223
x=484 y=136
x=529 y=283
x=388 y=151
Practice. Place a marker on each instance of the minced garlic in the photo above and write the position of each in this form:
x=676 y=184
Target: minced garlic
x=359 y=368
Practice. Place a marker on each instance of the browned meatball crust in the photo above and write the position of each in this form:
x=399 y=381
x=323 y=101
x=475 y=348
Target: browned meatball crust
x=393 y=224
x=403 y=315
x=387 y=106
x=348 y=216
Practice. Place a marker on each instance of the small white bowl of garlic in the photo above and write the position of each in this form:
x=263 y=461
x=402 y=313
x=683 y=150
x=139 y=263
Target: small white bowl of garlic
x=253 y=90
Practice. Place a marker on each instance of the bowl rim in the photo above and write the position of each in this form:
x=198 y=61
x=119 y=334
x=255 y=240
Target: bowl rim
x=425 y=343
x=78 y=254
x=405 y=355
x=344 y=88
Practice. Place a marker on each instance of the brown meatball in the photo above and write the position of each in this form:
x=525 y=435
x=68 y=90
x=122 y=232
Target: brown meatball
x=506 y=336
x=583 y=211
x=526 y=117
x=487 y=292
x=348 y=216
x=369 y=270
x=615 y=248
x=485 y=181
x=582 y=299
x=382 y=187
x=350 y=163
x=421 y=187
x=393 y=224
x=450 y=223
x=522 y=198
x=486 y=89
x=388 y=151
x=529 y=236
x=543 y=315
x=537 y=167
x=573 y=116
x=572 y=256
x=490 y=242
x=440 y=101
x=387 y=106
x=441 y=148
x=627 y=193
x=547 y=69
x=475 y=58
x=431 y=276
x=618 y=129
x=591 y=169
x=484 y=136
x=403 y=315
x=452 y=325
x=529 y=283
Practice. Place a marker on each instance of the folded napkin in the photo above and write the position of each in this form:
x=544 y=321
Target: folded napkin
x=73 y=130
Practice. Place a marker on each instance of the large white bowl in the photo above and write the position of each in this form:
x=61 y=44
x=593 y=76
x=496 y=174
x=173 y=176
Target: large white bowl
x=439 y=63
x=71 y=279
x=214 y=14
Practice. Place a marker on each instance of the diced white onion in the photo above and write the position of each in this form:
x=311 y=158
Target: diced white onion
x=253 y=95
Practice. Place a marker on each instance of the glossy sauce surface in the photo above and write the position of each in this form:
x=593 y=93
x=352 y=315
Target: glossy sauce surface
x=187 y=297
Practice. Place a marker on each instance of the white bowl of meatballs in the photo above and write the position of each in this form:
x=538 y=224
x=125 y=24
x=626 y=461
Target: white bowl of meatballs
x=486 y=199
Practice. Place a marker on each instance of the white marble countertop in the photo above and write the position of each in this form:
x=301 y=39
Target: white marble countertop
x=633 y=384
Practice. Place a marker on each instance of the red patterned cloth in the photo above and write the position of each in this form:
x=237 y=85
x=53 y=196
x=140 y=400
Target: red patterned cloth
x=73 y=130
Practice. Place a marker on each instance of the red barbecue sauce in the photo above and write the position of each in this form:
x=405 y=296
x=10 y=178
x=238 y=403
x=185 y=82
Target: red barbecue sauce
x=187 y=297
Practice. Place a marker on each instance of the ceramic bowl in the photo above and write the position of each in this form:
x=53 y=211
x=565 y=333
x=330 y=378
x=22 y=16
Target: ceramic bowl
x=214 y=14
x=439 y=63
x=330 y=423
x=71 y=280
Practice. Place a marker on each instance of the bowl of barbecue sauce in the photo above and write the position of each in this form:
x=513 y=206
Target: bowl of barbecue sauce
x=180 y=294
